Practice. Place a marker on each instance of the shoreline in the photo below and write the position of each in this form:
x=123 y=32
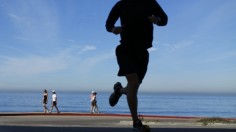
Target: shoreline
x=102 y=114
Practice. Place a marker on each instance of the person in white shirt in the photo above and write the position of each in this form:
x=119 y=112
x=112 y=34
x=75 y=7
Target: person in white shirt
x=93 y=101
x=54 y=101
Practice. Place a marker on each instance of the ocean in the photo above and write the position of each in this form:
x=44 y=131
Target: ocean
x=158 y=104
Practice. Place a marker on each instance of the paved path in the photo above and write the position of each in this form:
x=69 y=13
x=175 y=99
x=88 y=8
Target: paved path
x=75 y=122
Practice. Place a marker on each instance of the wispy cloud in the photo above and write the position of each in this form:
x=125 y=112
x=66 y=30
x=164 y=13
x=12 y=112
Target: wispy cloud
x=178 y=46
x=71 y=40
x=73 y=57
x=77 y=49
x=222 y=14
x=21 y=38
x=35 y=21
x=88 y=63
x=87 y=48
x=152 y=49
x=221 y=57
x=31 y=65
x=84 y=57
x=14 y=16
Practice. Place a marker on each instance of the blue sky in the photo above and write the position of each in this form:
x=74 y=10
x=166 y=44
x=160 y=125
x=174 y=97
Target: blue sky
x=63 y=45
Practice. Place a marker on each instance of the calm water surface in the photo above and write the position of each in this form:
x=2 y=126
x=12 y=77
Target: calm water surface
x=149 y=103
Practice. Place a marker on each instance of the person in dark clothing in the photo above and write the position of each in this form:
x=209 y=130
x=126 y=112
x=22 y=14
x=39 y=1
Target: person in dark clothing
x=137 y=18
x=45 y=100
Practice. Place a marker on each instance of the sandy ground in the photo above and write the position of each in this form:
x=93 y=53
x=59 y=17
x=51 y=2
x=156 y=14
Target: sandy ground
x=85 y=122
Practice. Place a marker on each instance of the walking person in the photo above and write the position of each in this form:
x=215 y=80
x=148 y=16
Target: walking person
x=93 y=100
x=54 y=101
x=137 y=18
x=45 y=101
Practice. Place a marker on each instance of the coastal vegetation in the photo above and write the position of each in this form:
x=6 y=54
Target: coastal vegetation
x=213 y=120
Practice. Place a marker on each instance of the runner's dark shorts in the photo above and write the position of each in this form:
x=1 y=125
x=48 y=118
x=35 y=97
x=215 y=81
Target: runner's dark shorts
x=132 y=61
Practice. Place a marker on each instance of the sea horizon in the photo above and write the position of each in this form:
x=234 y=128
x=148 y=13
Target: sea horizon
x=110 y=91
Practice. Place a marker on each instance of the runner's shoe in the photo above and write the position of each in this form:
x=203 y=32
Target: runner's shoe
x=139 y=127
x=115 y=96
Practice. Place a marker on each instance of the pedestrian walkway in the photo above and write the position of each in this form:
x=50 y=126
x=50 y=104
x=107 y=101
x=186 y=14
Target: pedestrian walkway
x=85 y=122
